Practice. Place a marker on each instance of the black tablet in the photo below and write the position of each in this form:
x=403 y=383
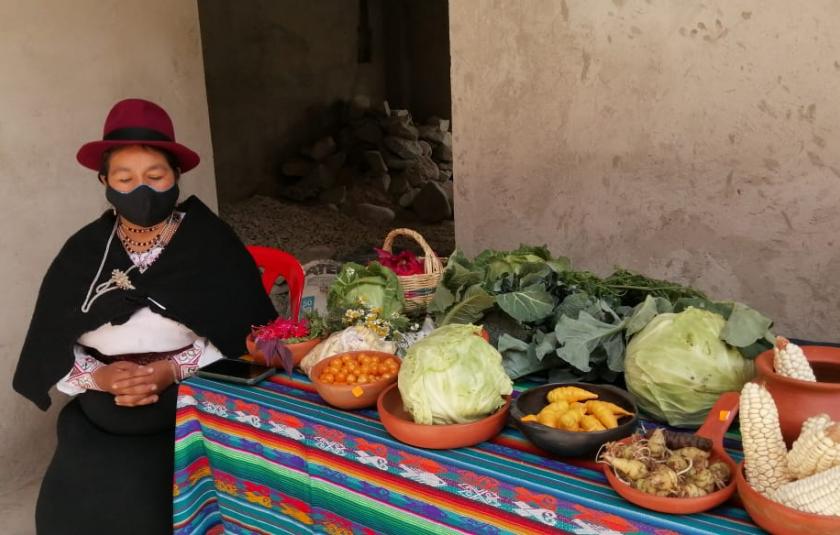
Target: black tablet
x=235 y=370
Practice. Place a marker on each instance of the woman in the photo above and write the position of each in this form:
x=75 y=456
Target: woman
x=135 y=301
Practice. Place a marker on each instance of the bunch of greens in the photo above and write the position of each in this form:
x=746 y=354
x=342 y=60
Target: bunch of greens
x=542 y=315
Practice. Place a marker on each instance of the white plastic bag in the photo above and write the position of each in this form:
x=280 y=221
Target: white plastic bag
x=357 y=338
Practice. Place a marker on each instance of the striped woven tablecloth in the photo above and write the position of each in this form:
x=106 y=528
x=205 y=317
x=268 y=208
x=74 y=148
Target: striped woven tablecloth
x=274 y=458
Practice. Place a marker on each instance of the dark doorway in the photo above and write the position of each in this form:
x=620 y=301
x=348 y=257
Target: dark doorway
x=303 y=93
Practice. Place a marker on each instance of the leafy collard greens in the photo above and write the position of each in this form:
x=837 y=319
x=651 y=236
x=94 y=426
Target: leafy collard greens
x=546 y=317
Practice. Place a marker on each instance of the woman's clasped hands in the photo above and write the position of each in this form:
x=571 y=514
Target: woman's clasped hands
x=132 y=384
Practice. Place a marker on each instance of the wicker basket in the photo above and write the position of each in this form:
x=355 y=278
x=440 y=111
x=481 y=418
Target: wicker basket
x=418 y=289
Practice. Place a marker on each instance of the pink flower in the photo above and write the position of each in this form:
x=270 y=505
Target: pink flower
x=404 y=263
x=282 y=329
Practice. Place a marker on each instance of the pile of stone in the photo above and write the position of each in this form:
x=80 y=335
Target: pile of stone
x=378 y=162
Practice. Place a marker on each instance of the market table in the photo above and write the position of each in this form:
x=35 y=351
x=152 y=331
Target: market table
x=273 y=458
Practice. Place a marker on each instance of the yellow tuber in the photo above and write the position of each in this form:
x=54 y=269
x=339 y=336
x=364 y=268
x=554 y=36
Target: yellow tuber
x=603 y=413
x=570 y=394
x=567 y=412
x=569 y=420
x=590 y=423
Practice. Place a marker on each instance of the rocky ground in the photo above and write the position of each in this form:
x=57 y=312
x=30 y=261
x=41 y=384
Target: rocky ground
x=319 y=231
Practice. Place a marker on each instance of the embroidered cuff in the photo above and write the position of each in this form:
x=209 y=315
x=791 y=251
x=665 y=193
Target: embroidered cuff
x=186 y=362
x=80 y=377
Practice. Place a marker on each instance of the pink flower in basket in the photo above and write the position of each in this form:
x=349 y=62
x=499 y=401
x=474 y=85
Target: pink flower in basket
x=403 y=264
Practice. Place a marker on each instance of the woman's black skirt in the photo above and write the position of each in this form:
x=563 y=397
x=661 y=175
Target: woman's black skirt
x=112 y=469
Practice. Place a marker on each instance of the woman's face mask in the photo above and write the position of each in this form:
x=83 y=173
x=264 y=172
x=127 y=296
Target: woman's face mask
x=141 y=185
x=144 y=205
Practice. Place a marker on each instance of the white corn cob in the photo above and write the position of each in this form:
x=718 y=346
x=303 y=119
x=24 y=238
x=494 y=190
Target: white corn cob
x=789 y=360
x=818 y=494
x=815 y=423
x=817 y=448
x=765 y=452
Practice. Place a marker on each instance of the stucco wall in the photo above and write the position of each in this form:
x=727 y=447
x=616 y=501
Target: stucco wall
x=272 y=67
x=63 y=65
x=694 y=141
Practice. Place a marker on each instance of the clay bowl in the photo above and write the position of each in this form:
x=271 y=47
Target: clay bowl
x=298 y=350
x=350 y=397
x=798 y=400
x=401 y=426
x=777 y=518
x=715 y=426
x=570 y=443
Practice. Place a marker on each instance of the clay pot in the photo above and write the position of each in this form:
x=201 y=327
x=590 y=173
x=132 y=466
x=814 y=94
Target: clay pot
x=799 y=400
x=399 y=423
x=714 y=428
x=777 y=518
x=350 y=397
x=298 y=350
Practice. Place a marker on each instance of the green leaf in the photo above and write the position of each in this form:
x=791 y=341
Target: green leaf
x=744 y=326
x=614 y=347
x=508 y=342
x=471 y=308
x=458 y=276
x=529 y=305
x=559 y=264
x=575 y=303
x=544 y=343
x=646 y=311
x=532 y=279
x=724 y=309
x=519 y=359
x=497 y=269
x=535 y=250
x=529 y=269
x=579 y=338
x=442 y=300
x=754 y=350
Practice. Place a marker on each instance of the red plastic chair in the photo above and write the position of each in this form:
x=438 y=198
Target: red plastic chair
x=276 y=263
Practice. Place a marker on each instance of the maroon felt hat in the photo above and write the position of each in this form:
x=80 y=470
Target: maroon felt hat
x=135 y=121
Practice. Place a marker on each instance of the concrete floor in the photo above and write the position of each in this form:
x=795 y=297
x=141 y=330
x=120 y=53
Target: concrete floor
x=17 y=510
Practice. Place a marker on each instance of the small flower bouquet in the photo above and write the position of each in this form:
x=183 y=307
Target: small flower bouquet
x=385 y=326
x=285 y=341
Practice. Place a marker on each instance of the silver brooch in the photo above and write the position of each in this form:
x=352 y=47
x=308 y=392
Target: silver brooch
x=121 y=280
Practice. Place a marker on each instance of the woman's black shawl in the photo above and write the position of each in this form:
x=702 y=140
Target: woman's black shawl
x=204 y=279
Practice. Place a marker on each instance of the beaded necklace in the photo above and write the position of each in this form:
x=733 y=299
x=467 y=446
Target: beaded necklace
x=159 y=240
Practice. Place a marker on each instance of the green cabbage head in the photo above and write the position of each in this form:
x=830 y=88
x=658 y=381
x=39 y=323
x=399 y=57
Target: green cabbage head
x=677 y=366
x=452 y=376
x=374 y=285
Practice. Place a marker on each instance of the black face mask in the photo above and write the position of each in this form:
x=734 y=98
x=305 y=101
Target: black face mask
x=144 y=205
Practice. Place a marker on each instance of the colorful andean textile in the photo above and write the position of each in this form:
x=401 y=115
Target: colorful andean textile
x=275 y=459
x=112 y=470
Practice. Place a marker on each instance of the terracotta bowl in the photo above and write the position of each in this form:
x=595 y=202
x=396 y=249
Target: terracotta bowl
x=717 y=422
x=799 y=400
x=350 y=397
x=570 y=443
x=298 y=350
x=401 y=426
x=777 y=518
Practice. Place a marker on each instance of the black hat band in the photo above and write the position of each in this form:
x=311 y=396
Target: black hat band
x=135 y=134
